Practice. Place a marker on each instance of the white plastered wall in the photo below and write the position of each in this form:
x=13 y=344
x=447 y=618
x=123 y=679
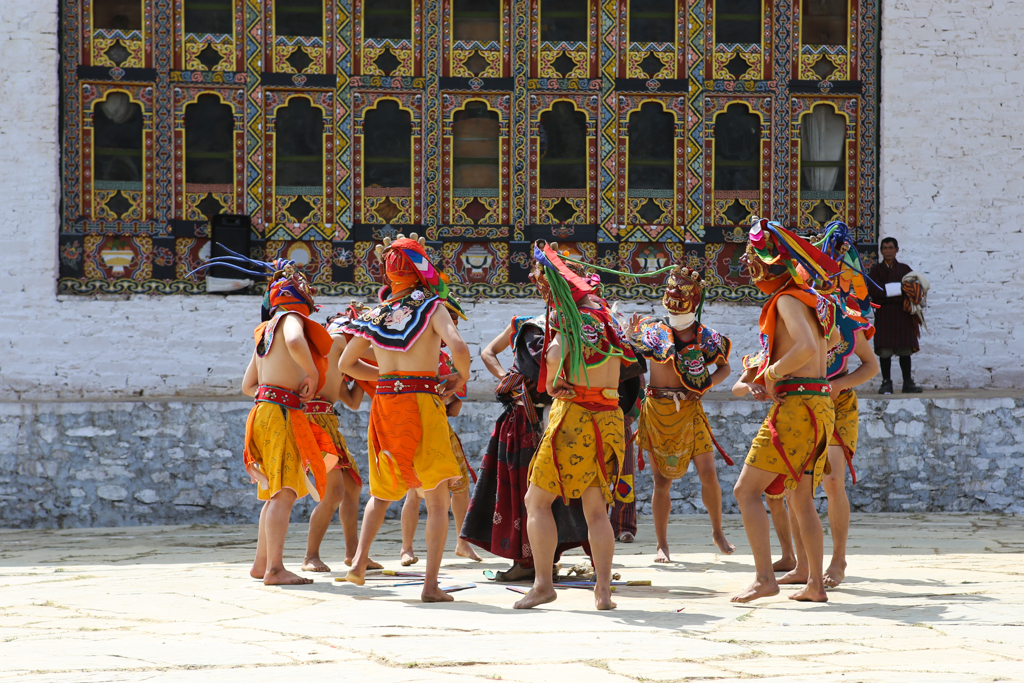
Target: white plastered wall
x=952 y=179
x=950 y=191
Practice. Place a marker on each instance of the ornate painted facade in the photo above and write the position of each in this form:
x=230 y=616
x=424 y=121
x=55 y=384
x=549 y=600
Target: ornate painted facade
x=634 y=132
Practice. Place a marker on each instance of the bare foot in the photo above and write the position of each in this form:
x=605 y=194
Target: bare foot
x=625 y=537
x=435 y=594
x=409 y=558
x=723 y=544
x=259 y=570
x=314 y=564
x=835 y=574
x=793 y=577
x=662 y=556
x=786 y=564
x=758 y=589
x=808 y=594
x=370 y=564
x=603 y=600
x=284 y=578
x=534 y=598
x=356 y=577
x=463 y=549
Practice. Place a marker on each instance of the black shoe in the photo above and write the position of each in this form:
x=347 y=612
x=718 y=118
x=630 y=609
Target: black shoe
x=886 y=388
x=909 y=387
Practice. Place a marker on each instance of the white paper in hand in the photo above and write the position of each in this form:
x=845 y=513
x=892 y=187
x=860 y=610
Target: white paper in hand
x=893 y=288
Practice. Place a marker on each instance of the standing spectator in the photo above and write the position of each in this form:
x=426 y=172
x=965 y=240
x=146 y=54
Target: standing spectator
x=896 y=330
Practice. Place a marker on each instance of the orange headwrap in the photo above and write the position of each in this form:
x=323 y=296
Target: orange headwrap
x=289 y=290
x=400 y=273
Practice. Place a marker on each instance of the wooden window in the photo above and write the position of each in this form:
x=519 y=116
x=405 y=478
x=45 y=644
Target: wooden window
x=298 y=18
x=299 y=153
x=823 y=22
x=652 y=21
x=209 y=143
x=387 y=19
x=117 y=154
x=737 y=149
x=121 y=15
x=564 y=20
x=651 y=151
x=563 y=148
x=737 y=22
x=476 y=160
x=822 y=150
x=476 y=20
x=387 y=146
x=209 y=16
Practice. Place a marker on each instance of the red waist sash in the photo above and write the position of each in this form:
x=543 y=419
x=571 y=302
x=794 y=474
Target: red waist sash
x=268 y=393
x=319 y=406
x=803 y=386
x=408 y=383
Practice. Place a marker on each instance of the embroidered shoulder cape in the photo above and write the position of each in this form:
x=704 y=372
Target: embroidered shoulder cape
x=602 y=337
x=655 y=340
x=840 y=354
x=396 y=325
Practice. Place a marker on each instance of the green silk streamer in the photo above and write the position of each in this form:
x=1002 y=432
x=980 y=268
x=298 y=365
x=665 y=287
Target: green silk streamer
x=622 y=273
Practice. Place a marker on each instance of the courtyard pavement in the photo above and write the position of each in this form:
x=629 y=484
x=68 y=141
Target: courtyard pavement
x=927 y=598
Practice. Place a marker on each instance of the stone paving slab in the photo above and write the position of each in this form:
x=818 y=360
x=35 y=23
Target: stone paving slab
x=928 y=598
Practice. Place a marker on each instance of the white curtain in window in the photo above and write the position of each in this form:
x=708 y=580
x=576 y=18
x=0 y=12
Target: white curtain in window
x=117 y=107
x=822 y=136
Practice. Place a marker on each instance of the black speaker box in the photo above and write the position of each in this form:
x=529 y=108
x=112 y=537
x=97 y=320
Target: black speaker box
x=234 y=232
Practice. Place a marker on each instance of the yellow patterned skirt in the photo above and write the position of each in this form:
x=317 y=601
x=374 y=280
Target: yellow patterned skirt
x=847 y=427
x=462 y=484
x=568 y=460
x=275 y=450
x=793 y=439
x=673 y=437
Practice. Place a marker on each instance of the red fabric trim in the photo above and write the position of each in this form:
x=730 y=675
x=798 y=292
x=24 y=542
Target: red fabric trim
x=725 y=456
x=777 y=442
x=847 y=453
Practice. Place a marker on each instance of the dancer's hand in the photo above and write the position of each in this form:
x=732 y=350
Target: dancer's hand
x=756 y=391
x=307 y=388
x=561 y=389
x=453 y=384
x=693 y=396
x=634 y=322
x=775 y=396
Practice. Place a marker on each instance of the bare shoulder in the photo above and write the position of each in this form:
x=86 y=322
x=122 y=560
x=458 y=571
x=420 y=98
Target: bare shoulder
x=441 y=314
x=789 y=304
x=292 y=322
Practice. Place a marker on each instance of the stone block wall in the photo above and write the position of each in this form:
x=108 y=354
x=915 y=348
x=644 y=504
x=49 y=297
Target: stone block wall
x=66 y=465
